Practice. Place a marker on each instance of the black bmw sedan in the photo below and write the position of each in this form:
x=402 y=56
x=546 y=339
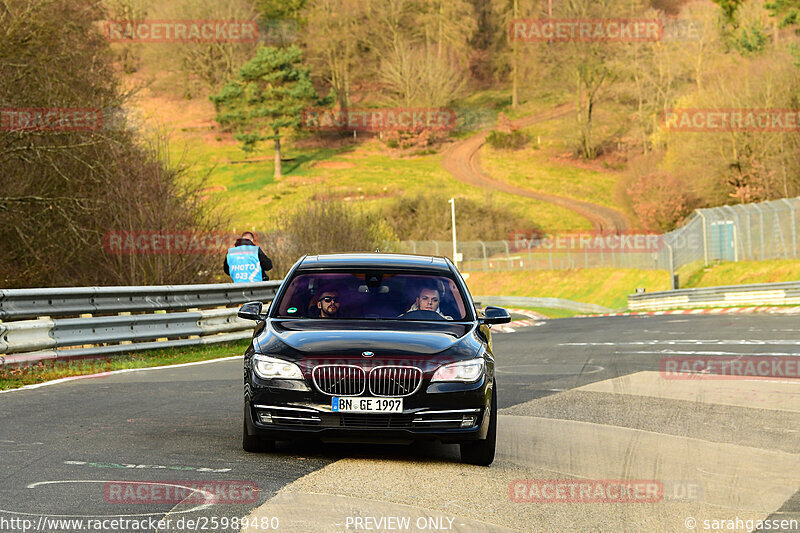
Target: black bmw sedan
x=372 y=347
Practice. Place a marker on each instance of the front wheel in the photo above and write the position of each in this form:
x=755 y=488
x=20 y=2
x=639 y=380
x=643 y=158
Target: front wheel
x=481 y=452
x=253 y=444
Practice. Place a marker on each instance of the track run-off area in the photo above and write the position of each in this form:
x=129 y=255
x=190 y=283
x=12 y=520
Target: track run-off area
x=585 y=412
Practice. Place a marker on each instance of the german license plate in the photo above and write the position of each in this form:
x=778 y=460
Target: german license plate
x=366 y=405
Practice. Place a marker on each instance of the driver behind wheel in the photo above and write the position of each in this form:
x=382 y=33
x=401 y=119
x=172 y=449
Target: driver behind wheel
x=328 y=304
x=428 y=300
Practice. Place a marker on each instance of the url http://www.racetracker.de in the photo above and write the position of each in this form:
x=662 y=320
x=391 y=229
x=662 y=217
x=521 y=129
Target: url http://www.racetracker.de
x=121 y=524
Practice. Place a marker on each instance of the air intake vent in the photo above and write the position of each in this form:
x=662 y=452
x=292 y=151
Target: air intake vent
x=340 y=380
x=394 y=380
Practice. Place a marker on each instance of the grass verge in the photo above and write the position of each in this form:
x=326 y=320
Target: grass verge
x=537 y=170
x=604 y=286
x=15 y=377
x=610 y=287
x=739 y=273
x=367 y=174
x=549 y=312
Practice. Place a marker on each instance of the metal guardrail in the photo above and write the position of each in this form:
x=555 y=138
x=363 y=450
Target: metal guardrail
x=16 y=304
x=786 y=293
x=551 y=303
x=26 y=341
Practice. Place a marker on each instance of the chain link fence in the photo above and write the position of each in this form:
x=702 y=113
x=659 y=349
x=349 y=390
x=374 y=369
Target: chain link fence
x=749 y=232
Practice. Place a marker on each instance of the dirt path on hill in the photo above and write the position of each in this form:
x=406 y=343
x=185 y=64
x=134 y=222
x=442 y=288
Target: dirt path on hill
x=463 y=162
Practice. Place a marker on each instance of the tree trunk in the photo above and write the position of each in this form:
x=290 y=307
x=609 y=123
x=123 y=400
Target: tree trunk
x=514 y=87
x=591 y=153
x=278 y=172
x=515 y=65
x=441 y=31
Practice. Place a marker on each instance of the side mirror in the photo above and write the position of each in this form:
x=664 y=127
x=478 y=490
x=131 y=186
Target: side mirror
x=252 y=311
x=495 y=315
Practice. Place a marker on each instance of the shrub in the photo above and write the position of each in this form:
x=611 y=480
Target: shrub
x=427 y=217
x=507 y=141
x=415 y=138
x=323 y=226
x=62 y=191
x=659 y=200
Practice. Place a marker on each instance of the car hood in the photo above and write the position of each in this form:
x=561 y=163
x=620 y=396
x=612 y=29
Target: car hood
x=351 y=338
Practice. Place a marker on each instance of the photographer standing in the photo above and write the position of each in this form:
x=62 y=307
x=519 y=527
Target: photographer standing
x=246 y=262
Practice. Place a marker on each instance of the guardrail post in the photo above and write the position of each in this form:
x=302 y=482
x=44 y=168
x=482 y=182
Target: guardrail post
x=749 y=238
x=761 y=232
x=672 y=280
x=736 y=230
x=705 y=238
x=485 y=259
x=569 y=263
x=508 y=256
x=794 y=228
x=779 y=230
x=530 y=256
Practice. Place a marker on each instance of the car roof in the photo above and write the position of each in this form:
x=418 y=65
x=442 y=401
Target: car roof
x=375 y=260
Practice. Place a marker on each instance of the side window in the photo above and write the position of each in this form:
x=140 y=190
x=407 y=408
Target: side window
x=456 y=299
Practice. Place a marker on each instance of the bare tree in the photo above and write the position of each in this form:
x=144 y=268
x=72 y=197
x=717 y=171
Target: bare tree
x=62 y=188
x=414 y=77
x=212 y=63
x=589 y=68
x=335 y=37
x=732 y=164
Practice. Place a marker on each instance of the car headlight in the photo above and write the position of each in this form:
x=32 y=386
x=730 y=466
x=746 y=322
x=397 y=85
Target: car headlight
x=271 y=368
x=466 y=371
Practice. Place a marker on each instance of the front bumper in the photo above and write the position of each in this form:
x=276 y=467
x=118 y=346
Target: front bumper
x=439 y=411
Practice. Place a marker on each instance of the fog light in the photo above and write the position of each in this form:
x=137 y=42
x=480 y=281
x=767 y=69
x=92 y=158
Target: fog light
x=265 y=417
x=467 y=421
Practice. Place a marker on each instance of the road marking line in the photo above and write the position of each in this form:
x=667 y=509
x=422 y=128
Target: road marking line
x=208 y=497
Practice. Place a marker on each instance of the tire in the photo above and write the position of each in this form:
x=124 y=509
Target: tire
x=481 y=452
x=253 y=444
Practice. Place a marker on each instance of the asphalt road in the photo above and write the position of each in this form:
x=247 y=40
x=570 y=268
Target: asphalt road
x=65 y=448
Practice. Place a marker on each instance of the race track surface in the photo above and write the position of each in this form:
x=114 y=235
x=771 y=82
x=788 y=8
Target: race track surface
x=580 y=399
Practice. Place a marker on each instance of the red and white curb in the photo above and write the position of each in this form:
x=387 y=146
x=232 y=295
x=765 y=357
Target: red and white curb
x=534 y=319
x=712 y=311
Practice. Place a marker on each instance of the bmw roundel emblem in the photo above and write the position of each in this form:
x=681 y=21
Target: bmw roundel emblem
x=367 y=354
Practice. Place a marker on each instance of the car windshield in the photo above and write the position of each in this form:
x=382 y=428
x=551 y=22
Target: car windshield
x=372 y=295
